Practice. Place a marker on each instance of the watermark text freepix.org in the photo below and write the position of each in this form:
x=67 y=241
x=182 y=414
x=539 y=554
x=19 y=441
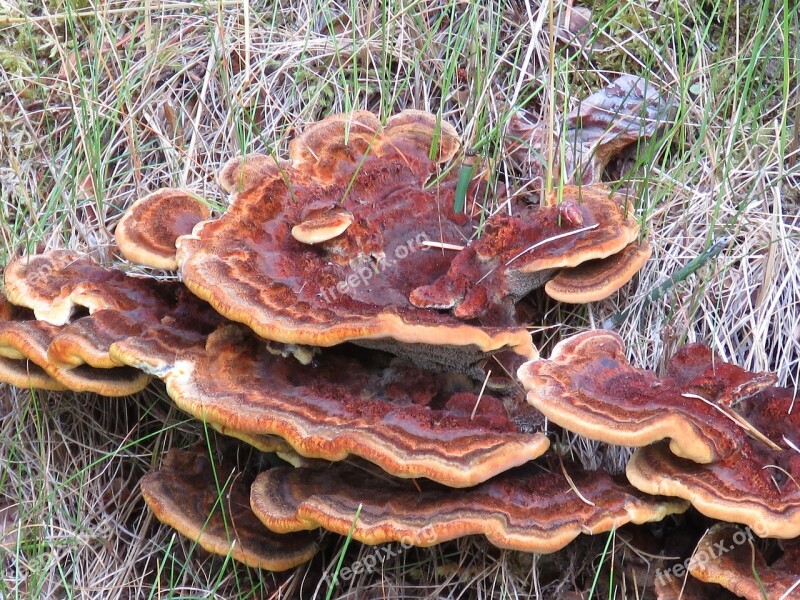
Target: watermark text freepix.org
x=380 y=554
x=364 y=274
x=705 y=555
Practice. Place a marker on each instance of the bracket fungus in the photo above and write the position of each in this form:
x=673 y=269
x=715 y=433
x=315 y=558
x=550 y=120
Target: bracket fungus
x=354 y=245
x=516 y=254
x=757 y=485
x=120 y=306
x=326 y=247
x=147 y=232
x=15 y=367
x=598 y=279
x=588 y=387
x=184 y=494
x=24 y=363
x=528 y=508
x=727 y=557
x=439 y=427
x=57 y=283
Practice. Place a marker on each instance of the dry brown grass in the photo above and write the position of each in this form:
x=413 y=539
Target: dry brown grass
x=101 y=103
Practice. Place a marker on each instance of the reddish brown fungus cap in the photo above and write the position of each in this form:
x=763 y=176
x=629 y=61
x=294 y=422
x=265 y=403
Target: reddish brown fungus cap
x=120 y=306
x=23 y=348
x=15 y=368
x=756 y=485
x=78 y=354
x=589 y=387
x=147 y=232
x=56 y=283
x=210 y=505
x=727 y=556
x=528 y=509
x=598 y=279
x=518 y=253
x=24 y=374
x=327 y=246
x=410 y=422
x=321 y=229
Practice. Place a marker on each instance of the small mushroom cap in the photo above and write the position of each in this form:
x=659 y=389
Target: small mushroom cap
x=598 y=279
x=756 y=486
x=518 y=253
x=184 y=495
x=358 y=192
x=147 y=232
x=322 y=228
x=420 y=429
x=589 y=387
x=726 y=556
x=528 y=508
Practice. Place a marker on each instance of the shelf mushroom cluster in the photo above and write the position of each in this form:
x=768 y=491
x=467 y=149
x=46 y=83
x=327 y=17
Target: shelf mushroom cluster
x=341 y=308
x=341 y=313
x=733 y=446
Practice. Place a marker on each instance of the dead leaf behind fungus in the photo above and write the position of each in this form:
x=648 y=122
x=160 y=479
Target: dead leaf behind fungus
x=629 y=109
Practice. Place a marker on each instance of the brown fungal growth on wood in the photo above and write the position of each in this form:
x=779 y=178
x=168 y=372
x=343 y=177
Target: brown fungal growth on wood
x=756 y=485
x=327 y=247
x=410 y=422
x=183 y=494
x=518 y=253
x=588 y=387
x=598 y=279
x=528 y=508
x=726 y=556
x=147 y=232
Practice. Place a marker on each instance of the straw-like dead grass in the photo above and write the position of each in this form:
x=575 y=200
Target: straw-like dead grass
x=102 y=102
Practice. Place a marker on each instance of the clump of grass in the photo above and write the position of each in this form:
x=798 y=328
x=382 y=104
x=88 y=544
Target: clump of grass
x=104 y=102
